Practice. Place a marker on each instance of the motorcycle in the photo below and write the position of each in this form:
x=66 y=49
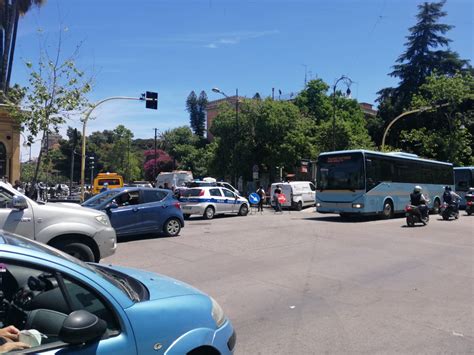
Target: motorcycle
x=414 y=215
x=469 y=207
x=449 y=210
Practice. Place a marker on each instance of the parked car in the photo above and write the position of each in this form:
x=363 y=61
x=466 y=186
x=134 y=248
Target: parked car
x=298 y=194
x=76 y=230
x=211 y=182
x=104 y=309
x=140 y=210
x=209 y=201
x=139 y=184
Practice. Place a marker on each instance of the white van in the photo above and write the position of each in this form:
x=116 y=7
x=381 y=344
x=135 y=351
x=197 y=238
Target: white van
x=298 y=194
x=176 y=178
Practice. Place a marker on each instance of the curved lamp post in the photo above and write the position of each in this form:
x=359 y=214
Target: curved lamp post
x=84 y=123
x=348 y=83
x=403 y=114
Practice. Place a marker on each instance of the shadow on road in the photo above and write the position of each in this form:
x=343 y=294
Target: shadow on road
x=355 y=219
x=134 y=238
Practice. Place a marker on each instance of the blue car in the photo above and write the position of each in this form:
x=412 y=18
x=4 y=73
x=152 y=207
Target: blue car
x=140 y=210
x=91 y=308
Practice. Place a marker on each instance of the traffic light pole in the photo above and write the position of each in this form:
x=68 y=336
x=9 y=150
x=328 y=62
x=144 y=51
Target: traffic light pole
x=84 y=124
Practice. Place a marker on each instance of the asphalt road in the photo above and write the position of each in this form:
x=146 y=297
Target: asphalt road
x=305 y=283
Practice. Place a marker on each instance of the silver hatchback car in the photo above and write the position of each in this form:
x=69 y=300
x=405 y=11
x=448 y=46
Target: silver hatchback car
x=207 y=201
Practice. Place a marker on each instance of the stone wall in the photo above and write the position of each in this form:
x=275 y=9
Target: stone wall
x=10 y=137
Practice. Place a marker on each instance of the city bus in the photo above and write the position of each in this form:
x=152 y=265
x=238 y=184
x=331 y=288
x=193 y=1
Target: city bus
x=362 y=182
x=463 y=180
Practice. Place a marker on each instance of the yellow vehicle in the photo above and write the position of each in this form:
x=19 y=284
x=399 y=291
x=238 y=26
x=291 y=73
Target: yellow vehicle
x=109 y=180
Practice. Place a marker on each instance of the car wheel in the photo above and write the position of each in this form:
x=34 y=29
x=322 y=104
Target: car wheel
x=209 y=212
x=78 y=250
x=387 y=212
x=244 y=210
x=172 y=227
x=299 y=206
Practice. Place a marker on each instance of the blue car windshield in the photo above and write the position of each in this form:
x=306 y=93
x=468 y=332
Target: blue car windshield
x=127 y=285
x=101 y=198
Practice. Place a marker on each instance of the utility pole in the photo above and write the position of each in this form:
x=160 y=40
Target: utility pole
x=73 y=153
x=154 y=163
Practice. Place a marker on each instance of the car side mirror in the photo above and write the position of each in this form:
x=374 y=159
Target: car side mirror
x=19 y=203
x=81 y=327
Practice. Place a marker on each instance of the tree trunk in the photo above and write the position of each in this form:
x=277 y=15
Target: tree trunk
x=9 y=20
x=38 y=162
x=12 y=50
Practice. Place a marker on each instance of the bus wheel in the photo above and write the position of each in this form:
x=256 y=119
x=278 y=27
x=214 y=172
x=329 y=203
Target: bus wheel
x=436 y=205
x=387 y=210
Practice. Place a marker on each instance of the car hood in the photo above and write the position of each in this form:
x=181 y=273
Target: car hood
x=159 y=286
x=69 y=208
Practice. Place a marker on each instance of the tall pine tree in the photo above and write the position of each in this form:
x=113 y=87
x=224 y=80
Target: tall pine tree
x=192 y=108
x=427 y=51
x=201 y=121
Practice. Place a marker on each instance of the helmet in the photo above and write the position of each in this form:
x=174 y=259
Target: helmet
x=417 y=188
x=447 y=188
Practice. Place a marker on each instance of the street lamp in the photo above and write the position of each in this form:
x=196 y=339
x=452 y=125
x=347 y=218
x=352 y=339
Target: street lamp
x=219 y=91
x=348 y=83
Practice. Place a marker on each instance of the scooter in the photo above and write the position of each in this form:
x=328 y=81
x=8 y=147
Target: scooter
x=449 y=210
x=469 y=207
x=414 y=215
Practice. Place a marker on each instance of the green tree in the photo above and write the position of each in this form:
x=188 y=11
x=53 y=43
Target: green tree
x=57 y=90
x=426 y=52
x=201 y=114
x=445 y=130
x=350 y=128
x=193 y=110
x=11 y=10
x=267 y=133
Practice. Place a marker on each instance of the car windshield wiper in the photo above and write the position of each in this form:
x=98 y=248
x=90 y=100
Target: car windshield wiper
x=120 y=282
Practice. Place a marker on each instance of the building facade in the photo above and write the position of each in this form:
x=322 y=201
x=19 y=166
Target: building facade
x=9 y=146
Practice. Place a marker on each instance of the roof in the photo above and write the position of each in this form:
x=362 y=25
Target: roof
x=401 y=155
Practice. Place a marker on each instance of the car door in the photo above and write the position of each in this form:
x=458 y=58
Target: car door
x=124 y=217
x=68 y=291
x=16 y=221
x=153 y=210
x=217 y=198
x=231 y=201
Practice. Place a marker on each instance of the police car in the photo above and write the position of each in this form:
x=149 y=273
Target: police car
x=209 y=201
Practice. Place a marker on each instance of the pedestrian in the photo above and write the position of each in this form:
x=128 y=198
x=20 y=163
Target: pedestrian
x=261 y=194
x=105 y=187
x=276 y=195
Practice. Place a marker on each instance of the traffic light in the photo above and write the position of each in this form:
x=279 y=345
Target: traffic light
x=151 y=100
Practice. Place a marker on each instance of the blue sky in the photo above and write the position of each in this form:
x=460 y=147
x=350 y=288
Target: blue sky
x=175 y=46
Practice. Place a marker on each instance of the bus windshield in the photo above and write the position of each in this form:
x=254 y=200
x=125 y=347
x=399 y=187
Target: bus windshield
x=341 y=172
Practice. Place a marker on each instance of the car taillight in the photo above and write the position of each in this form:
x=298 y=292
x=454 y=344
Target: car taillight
x=177 y=205
x=201 y=193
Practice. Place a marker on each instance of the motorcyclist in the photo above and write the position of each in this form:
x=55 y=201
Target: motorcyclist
x=419 y=200
x=451 y=198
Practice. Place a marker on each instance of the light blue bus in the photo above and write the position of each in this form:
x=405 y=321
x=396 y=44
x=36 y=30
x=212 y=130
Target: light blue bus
x=463 y=179
x=363 y=182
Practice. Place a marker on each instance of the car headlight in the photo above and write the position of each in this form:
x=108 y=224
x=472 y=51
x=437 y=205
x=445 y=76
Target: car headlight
x=217 y=313
x=357 y=205
x=102 y=219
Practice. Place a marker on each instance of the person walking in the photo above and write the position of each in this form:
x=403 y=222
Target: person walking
x=261 y=194
x=276 y=195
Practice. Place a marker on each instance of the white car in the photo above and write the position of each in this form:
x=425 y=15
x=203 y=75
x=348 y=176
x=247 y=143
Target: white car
x=207 y=201
x=79 y=231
